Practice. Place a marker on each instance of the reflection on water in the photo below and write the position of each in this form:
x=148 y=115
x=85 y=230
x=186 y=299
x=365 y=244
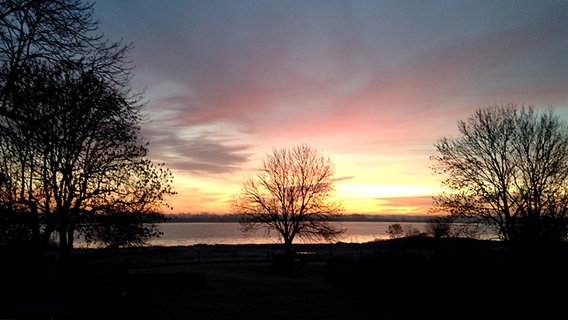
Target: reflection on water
x=192 y=233
x=186 y=233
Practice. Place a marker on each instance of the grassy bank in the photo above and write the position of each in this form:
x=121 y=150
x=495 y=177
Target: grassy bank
x=393 y=279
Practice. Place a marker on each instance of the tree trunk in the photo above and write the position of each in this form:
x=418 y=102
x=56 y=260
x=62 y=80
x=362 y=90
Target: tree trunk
x=65 y=229
x=288 y=248
x=70 y=237
x=47 y=232
x=63 y=247
x=288 y=259
x=36 y=235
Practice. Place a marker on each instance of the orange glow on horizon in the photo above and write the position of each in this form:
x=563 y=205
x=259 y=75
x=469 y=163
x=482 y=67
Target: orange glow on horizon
x=386 y=199
x=360 y=199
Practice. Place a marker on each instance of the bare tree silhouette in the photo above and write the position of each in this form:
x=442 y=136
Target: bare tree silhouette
x=53 y=32
x=508 y=167
x=70 y=147
x=292 y=195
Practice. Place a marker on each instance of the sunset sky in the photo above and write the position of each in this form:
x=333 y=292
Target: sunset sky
x=372 y=84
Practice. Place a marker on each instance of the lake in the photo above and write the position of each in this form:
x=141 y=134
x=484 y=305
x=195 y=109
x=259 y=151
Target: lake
x=191 y=233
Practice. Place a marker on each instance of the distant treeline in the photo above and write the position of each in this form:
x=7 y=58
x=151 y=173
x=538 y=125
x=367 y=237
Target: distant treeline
x=213 y=217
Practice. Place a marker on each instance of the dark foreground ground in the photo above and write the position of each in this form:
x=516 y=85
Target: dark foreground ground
x=395 y=279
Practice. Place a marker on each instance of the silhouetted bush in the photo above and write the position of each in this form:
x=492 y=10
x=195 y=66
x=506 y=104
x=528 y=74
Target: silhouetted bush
x=439 y=226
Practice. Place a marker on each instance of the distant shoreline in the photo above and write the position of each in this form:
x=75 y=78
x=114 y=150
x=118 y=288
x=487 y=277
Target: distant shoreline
x=212 y=217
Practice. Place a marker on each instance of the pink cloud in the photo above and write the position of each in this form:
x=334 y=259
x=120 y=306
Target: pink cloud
x=379 y=82
x=405 y=205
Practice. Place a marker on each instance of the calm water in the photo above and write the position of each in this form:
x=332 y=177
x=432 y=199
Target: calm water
x=191 y=233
